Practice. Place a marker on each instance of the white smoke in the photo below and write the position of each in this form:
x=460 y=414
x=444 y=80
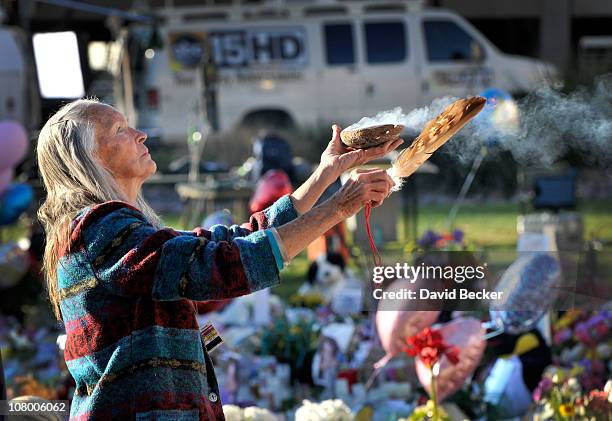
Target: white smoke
x=550 y=123
x=414 y=120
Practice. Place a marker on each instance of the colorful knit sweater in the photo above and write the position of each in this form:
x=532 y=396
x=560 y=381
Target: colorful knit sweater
x=126 y=289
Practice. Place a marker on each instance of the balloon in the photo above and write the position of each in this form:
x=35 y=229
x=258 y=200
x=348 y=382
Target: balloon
x=529 y=286
x=6 y=176
x=467 y=334
x=394 y=326
x=14 y=262
x=222 y=217
x=13 y=143
x=499 y=116
x=14 y=202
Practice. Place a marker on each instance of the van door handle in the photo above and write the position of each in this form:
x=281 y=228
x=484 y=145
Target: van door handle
x=369 y=90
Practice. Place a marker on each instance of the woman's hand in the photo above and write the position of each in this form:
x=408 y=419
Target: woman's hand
x=338 y=158
x=363 y=186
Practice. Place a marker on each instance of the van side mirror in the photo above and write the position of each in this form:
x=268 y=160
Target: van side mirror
x=477 y=54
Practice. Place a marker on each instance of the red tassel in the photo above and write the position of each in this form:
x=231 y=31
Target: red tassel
x=367 y=211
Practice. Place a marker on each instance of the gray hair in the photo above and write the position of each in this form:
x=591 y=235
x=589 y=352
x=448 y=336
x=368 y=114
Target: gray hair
x=74 y=179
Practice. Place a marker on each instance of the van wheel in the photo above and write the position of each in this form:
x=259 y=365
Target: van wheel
x=268 y=119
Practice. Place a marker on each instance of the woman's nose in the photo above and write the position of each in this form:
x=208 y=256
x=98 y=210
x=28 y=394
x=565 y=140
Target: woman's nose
x=141 y=136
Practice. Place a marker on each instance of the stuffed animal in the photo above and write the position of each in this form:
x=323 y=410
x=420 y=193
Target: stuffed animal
x=329 y=277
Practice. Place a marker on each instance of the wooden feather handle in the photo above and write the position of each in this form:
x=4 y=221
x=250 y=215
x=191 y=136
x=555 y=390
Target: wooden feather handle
x=435 y=134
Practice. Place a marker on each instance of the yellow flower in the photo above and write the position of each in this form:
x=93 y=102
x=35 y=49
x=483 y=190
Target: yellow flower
x=576 y=370
x=567 y=411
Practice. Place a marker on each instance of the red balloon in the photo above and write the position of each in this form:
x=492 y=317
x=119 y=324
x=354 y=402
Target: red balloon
x=394 y=326
x=13 y=143
x=6 y=176
x=467 y=334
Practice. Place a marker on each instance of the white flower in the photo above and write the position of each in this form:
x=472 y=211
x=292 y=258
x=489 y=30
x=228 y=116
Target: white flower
x=329 y=410
x=233 y=413
x=604 y=351
x=573 y=385
x=252 y=413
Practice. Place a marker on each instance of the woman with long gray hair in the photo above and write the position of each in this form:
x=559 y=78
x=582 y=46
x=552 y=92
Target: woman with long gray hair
x=124 y=285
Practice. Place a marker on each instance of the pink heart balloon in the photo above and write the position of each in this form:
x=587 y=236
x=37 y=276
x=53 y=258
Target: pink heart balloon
x=394 y=326
x=6 y=176
x=467 y=334
x=13 y=143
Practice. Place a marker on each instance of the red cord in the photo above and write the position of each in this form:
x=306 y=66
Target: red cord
x=367 y=211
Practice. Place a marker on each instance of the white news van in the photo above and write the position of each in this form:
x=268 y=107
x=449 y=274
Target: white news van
x=316 y=62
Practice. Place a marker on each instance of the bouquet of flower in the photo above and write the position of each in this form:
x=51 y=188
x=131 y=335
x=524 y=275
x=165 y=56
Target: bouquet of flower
x=329 y=410
x=291 y=343
x=431 y=240
x=559 y=396
x=584 y=340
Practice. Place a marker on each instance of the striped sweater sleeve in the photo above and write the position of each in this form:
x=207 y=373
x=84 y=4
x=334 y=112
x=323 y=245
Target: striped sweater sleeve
x=130 y=257
x=279 y=213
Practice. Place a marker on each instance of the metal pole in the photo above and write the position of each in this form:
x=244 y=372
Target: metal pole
x=465 y=188
x=128 y=89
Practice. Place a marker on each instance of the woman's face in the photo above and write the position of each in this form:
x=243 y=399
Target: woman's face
x=120 y=148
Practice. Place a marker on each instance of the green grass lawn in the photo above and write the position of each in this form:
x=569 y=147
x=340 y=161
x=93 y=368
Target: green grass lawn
x=491 y=228
x=494 y=225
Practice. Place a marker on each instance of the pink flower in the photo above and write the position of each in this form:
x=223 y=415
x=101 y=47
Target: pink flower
x=562 y=336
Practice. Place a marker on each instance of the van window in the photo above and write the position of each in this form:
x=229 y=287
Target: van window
x=339 y=46
x=385 y=42
x=447 y=41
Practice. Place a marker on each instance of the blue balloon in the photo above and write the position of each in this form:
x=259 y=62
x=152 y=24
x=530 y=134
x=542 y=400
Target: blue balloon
x=494 y=97
x=495 y=93
x=15 y=200
x=221 y=217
